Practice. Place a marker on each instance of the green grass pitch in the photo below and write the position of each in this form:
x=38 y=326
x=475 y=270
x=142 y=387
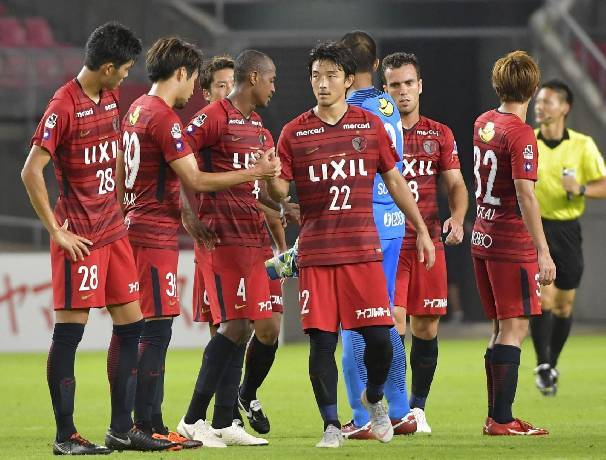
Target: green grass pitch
x=456 y=407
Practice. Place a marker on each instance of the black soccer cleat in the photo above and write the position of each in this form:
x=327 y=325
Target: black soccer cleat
x=136 y=439
x=77 y=445
x=254 y=413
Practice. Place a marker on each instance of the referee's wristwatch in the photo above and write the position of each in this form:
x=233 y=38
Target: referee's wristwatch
x=582 y=190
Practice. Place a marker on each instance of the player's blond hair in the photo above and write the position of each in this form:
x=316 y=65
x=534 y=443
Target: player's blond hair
x=515 y=77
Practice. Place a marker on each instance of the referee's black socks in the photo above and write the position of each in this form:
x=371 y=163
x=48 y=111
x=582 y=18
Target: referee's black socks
x=559 y=336
x=541 y=330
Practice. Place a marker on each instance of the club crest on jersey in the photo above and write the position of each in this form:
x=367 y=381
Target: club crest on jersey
x=487 y=132
x=134 y=116
x=430 y=146
x=528 y=154
x=51 y=121
x=175 y=131
x=385 y=107
x=116 y=124
x=262 y=138
x=359 y=143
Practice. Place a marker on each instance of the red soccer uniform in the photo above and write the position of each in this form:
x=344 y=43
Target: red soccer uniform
x=334 y=167
x=82 y=138
x=505 y=259
x=429 y=148
x=152 y=138
x=234 y=272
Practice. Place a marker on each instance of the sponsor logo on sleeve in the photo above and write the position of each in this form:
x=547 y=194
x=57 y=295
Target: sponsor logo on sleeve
x=528 y=166
x=528 y=154
x=175 y=131
x=51 y=121
x=179 y=145
x=46 y=134
x=199 y=121
x=385 y=107
x=487 y=132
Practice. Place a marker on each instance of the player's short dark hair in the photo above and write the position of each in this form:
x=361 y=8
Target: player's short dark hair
x=397 y=60
x=515 y=77
x=561 y=88
x=363 y=49
x=111 y=43
x=214 y=64
x=169 y=54
x=250 y=61
x=333 y=52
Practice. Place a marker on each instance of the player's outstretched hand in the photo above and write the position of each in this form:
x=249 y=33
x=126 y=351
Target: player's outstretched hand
x=547 y=269
x=75 y=245
x=291 y=212
x=456 y=231
x=426 y=252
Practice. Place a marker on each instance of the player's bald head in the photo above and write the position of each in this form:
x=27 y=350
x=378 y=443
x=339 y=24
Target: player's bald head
x=249 y=61
x=363 y=49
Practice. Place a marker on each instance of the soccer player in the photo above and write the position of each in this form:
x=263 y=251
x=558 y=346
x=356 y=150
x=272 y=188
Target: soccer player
x=333 y=153
x=389 y=221
x=430 y=153
x=571 y=168
x=228 y=133
x=510 y=255
x=156 y=156
x=92 y=263
x=216 y=80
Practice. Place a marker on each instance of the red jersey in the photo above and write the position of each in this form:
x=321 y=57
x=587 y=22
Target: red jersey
x=82 y=138
x=429 y=149
x=152 y=138
x=334 y=168
x=225 y=140
x=504 y=149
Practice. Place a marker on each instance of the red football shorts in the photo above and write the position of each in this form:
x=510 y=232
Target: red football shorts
x=158 y=291
x=237 y=283
x=508 y=289
x=275 y=286
x=421 y=291
x=200 y=301
x=352 y=295
x=108 y=276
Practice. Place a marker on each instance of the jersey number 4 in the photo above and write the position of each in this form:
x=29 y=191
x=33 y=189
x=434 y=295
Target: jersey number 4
x=489 y=157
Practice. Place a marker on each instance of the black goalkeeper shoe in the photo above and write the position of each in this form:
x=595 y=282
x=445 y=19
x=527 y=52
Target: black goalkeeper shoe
x=139 y=440
x=254 y=413
x=77 y=445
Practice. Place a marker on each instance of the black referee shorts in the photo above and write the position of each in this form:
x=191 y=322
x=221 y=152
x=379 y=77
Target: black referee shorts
x=564 y=240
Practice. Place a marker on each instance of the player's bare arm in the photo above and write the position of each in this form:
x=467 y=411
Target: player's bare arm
x=274 y=224
x=402 y=196
x=201 y=234
x=593 y=189
x=278 y=188
x=200 y=181
x=457 y=202
x=120 y=177
x=287 y=212
x=529 y=207
x=33 y=179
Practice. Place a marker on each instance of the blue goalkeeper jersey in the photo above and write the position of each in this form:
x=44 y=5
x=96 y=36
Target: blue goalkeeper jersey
x=389 y=220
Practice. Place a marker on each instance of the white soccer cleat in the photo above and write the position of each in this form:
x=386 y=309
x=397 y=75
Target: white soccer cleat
x=422 y=425
x=380 y=423
x=333 y=438
x=200 y=431
x=235 y=435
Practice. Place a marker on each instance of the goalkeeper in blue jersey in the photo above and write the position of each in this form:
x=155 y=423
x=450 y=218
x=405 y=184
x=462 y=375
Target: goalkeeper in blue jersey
x=390 y=227
x=389 y=221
